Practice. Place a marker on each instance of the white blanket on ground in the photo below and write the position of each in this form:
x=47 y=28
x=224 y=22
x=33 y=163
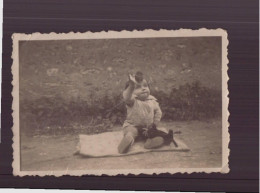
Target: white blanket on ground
x=105 y=145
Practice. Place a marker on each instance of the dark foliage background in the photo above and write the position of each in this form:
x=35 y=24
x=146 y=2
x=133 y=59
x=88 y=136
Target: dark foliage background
x=75 y=86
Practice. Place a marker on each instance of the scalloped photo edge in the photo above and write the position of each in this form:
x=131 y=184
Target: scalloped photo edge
x=149 y=33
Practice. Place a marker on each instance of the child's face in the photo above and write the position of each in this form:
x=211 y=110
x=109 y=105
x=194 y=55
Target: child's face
x=142 y=91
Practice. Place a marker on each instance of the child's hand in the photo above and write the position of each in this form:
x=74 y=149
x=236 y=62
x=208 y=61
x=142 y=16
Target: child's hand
x=150 y=129
x=152 y=126
x=132 y=79
x=145 y=132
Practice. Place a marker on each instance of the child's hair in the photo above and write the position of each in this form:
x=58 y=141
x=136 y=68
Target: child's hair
x=139 y=76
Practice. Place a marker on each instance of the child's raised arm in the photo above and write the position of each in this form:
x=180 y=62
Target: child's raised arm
x=128 y=92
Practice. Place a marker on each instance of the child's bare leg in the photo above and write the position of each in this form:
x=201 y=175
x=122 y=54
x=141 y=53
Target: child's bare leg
x=155 y=142
x=130 y=133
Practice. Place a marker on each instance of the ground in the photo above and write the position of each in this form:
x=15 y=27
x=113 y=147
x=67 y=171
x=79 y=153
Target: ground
x=46 y=153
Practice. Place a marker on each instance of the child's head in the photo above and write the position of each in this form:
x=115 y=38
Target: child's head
x=142 y=90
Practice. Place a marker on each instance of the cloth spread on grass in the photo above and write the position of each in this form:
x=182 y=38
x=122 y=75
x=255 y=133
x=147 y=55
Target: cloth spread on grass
x=105 y=145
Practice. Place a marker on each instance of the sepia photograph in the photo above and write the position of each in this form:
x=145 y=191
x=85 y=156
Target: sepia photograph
x=126 y=102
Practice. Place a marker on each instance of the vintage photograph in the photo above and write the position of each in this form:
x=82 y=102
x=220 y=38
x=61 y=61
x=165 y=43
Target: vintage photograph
x=126 y=102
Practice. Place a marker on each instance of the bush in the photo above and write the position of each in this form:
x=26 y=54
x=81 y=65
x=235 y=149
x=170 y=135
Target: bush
x=190 y=102
x=99 y=114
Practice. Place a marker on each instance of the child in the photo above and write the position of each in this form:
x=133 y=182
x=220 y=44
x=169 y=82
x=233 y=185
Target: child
x=143 y=112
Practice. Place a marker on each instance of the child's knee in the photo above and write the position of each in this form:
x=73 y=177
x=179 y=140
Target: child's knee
x=125 y=143
x=130 y=134
x=155 y=142
x=131 y=131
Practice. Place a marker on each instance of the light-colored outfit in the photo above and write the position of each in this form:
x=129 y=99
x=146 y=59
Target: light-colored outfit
x=141 y=114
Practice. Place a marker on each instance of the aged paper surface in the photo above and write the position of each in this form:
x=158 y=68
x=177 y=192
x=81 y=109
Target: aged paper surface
x=43 y=143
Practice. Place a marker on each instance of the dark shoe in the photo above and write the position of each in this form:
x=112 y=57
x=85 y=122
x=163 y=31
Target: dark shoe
x=168 y=138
